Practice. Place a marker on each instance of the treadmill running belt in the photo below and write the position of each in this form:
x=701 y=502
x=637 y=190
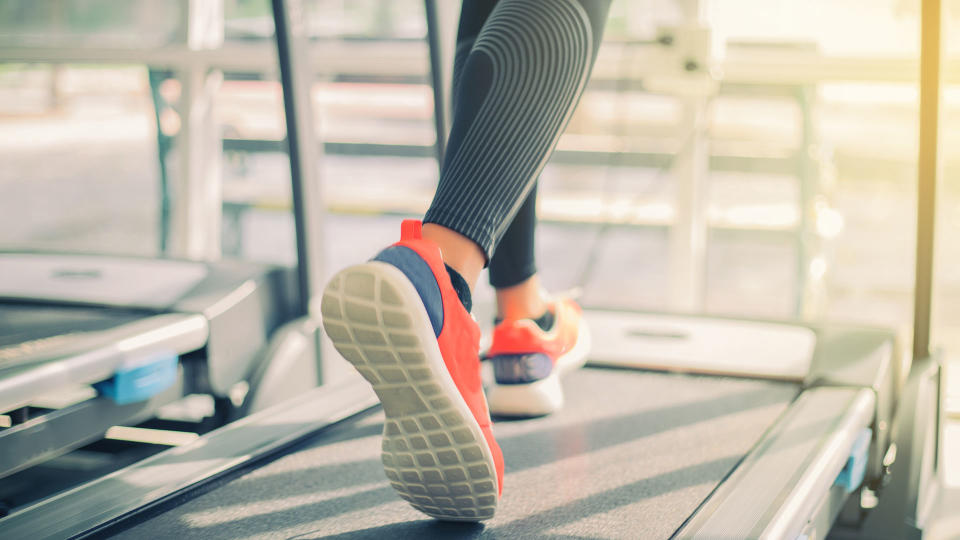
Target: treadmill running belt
x=632 y=455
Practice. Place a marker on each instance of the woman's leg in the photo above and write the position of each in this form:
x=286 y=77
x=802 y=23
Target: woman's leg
x=513 y=268
x=460 y=252
x=519 y=83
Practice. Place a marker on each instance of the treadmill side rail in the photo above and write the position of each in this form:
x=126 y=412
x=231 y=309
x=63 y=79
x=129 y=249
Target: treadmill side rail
x=907 y=503
x=862 y=358
x=781 y=484
x=171 y=333
x=243 y=305
x=60 y=431
x=88 y=508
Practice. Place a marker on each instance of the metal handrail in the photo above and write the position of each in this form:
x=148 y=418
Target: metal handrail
x=931 y=24
x=747 y=66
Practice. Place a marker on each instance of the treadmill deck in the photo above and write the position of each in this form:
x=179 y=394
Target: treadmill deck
x=633 y=454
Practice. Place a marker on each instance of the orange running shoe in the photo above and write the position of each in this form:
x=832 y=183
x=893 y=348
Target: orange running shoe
x=399 y=321
x=528 y=360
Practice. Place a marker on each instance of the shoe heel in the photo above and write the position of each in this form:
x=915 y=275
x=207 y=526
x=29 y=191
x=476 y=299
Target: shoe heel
x=527 y=400
x=369 y=324
x=433 y=451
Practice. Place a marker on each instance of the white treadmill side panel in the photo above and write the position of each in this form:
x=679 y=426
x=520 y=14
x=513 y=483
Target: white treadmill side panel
x=119 y=281
x=701 y=345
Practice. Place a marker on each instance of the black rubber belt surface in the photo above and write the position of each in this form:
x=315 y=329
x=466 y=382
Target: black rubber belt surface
x=631 y=456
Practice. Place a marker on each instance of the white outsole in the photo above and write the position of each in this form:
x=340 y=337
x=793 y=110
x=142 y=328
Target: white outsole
x=544 y=396
x=434 y=452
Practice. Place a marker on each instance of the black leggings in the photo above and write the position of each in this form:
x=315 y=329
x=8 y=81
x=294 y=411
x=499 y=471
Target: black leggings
x=519 y=71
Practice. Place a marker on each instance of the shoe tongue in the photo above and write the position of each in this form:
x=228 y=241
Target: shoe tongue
x=411 y=229
x=461 y=287
x=545 y=322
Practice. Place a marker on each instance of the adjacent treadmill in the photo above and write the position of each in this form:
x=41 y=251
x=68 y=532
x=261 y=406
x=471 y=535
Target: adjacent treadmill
x=786 y=430
x=89 y=342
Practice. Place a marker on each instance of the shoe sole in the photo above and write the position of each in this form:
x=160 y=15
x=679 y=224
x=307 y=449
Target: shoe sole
x=544 y=396
x=434 y=452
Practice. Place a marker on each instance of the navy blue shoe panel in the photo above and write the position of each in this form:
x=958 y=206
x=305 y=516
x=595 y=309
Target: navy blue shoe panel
x=521 y=368
x=418 y=272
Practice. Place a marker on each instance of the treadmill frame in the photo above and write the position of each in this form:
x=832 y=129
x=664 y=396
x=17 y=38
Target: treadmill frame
x=193 y=323
x=122 y=498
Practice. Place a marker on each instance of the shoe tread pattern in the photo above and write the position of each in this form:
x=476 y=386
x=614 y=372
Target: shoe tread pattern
x=433 y=456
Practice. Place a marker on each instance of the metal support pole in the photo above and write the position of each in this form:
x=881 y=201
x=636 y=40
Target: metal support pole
x=437 y=79
x=164 y=143
x=303 y=150
x=690 y=171
x=688 y=236
x=927 y=172
x=197 y=203
x=807 y=296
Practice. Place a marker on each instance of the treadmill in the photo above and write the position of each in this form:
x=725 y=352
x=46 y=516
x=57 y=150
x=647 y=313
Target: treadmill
x=785 y=430
x=633 y=454
x=142 y=332
x=89 y=342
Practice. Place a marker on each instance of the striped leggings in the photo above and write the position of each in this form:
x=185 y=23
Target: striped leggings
x=519 y=71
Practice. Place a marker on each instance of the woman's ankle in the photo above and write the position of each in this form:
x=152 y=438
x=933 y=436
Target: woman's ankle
x=458 y=251
x=521 y=301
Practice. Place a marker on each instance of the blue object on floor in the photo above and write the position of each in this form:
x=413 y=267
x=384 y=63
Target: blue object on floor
x=140 y=379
